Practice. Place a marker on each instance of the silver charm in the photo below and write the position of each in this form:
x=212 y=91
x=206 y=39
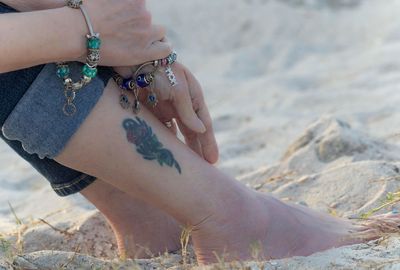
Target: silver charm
x=171 y=76
x=74 y=3
x=124 y=101
x=93 y=57
x=152 y=99
x=172 y=58
x=136 y=107
x=69 y=109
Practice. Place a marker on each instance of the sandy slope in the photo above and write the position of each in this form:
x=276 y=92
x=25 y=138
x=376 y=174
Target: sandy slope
x=305 y=98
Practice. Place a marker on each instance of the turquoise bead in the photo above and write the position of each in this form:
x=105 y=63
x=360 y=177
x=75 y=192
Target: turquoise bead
x=94 y=43
x=172 y=58
x=63 y=72
x=89 y=72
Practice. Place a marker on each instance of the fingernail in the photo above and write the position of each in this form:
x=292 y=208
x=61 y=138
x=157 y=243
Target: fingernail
x=200 y=126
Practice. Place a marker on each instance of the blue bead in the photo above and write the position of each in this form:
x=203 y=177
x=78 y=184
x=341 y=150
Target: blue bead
x=152 y=98
x=125 y=83
x=141 y=81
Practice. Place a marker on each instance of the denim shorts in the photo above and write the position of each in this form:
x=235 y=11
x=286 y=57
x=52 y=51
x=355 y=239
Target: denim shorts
x=34 y=125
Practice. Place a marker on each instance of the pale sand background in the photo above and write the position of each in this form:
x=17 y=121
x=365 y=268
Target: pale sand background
x=305 y=99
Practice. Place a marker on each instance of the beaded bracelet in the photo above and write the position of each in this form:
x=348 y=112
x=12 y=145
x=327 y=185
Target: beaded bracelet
x=133 y=84
x=89 y=70
x=142 y=81
x=167 y=64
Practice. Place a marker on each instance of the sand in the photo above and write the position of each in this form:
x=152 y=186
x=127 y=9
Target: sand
x=304 y=97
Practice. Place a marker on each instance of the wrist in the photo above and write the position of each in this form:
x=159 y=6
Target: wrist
x=49 y=4
x=74 y=33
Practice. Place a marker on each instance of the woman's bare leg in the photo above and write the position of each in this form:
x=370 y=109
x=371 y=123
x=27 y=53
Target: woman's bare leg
x=188 y=189
x=141 y=230
x=141 y=157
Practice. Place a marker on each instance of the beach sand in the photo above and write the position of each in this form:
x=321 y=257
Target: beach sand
x=304 y=97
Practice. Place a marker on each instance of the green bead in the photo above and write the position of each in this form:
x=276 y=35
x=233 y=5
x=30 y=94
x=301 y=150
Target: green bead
x=94 y=43
x=63 y=72
x=89 y=72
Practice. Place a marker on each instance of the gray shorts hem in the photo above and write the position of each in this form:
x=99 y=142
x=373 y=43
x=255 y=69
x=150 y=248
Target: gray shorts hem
x=38 y=121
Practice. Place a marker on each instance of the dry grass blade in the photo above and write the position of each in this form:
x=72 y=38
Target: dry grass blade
x=17 y=220
x=65 y=232
x=391 y=199
x=184 y=240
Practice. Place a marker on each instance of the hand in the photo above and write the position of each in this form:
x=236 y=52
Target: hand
x=185 y=103
x=125 y=27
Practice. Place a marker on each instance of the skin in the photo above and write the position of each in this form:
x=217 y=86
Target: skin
x=186 y=104
x=47 y=31
x=201 y=197
x=141 y=230
x=198 y=196
x=126 y=214
x=136 y=42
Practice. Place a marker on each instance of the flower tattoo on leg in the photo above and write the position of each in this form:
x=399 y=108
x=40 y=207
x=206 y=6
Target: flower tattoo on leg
x=147 y=144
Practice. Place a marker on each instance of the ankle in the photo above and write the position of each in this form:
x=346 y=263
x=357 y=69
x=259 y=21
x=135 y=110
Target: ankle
x=238 y=210
x=230 y=201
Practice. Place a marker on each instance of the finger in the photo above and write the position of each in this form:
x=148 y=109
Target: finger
x=164 y=112
x=207 y=140
x=183 y=104
x=174 y=128
x=158 y=33
x=158 y=50
x=165 y=39
x=170 y=124
x=191 y=138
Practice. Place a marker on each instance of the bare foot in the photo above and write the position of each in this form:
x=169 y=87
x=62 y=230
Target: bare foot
x=141 y=230
x=266 y=228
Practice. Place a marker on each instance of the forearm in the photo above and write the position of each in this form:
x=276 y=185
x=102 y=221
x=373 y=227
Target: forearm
x=33 y=38
x=31 y=5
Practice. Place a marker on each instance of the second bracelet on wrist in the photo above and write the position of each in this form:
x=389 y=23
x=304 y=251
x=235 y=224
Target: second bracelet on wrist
x=89 y=70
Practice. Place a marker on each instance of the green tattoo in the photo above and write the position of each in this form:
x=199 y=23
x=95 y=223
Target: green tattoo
x=147 y=143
